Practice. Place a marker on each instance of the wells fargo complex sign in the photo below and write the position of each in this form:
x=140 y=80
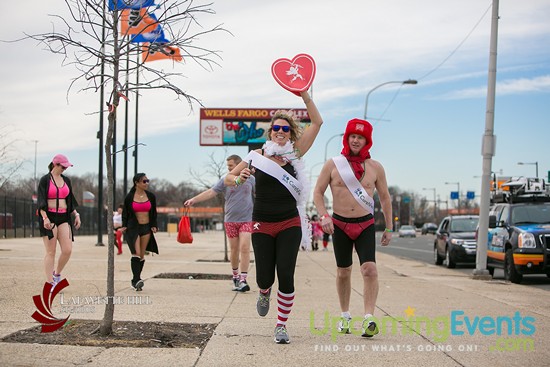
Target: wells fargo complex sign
x=240 y=126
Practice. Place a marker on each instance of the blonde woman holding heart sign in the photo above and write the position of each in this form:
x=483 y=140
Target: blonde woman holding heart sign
x=278 y=217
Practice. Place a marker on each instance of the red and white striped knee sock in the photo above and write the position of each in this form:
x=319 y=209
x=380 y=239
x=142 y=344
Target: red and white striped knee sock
x=284 y=306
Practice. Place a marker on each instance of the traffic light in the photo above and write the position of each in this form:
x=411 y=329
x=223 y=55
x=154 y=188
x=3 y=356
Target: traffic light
x=396 y=219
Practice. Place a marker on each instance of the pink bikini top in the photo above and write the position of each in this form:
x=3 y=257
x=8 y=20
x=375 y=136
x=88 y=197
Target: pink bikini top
x=63 y=191
x=141 y=207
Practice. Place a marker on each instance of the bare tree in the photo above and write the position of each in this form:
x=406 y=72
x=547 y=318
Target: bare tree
x=91 y=39
x=10 y=162
x=214 y=168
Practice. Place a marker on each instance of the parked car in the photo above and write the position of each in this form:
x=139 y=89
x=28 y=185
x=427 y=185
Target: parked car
x=407 y=231
x=429 y=228
x=519 y=230
x=455 y=240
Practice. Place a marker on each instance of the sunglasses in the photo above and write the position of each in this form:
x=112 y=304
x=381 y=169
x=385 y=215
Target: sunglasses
x=145 y=181
x=279 y=127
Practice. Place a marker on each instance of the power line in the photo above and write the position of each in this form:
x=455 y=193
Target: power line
x=442 y=62
x=459 y=45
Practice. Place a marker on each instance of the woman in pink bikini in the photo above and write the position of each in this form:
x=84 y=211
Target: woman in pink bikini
x=56 y=203
x=139 y=221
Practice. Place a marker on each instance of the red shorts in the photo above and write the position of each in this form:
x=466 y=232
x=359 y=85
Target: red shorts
x=273 y=228
x=233 y=229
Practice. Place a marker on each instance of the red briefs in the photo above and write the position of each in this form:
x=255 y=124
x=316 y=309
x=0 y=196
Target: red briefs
x=351 y=227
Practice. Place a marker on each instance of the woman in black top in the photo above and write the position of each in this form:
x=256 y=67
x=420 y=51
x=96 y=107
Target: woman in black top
x=277 y=224
x=139 y=221
x=56 y=203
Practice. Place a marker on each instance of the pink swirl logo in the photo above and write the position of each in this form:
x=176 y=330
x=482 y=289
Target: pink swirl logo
x=43 y=303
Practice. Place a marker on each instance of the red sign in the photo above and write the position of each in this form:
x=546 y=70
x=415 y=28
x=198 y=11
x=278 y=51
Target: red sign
x=294 y=75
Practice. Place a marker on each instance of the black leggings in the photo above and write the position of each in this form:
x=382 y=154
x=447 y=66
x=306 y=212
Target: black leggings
x=365 y=246
x=276 y=253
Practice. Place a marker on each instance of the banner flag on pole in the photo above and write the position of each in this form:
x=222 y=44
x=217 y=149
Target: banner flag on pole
x=137 y=21
x=160 y=51
x=130 y=4
x=156 y=35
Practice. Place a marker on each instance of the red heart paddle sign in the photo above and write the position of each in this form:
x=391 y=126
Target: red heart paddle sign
x=294 y=75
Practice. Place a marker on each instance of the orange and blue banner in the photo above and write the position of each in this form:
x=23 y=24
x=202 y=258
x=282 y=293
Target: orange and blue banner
x=160 y=51
x=137 y=22
x=130 y=4
x=156 y=35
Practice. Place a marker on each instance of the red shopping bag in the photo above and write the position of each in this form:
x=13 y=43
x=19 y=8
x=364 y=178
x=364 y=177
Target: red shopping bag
x=184 y=229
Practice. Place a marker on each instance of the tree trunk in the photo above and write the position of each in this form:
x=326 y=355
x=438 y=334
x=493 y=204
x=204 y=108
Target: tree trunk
x=107 y=323
x=106 y=327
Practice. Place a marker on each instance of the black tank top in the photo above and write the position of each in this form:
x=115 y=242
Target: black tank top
x=273 y=202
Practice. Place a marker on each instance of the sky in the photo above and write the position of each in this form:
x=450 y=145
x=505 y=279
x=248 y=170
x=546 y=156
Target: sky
x=425 y=135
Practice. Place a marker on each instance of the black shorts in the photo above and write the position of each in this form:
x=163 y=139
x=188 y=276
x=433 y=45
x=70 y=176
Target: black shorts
x=364 y=242
x=56 y=219
x=132 y=234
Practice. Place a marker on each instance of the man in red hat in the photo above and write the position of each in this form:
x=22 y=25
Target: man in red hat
x=353 y=177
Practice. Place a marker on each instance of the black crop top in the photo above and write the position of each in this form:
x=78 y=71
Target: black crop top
x=273 y=201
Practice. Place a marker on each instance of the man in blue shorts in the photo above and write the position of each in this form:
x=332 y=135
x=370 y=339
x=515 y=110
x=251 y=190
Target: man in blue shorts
x=239 y=201
x=353 y=177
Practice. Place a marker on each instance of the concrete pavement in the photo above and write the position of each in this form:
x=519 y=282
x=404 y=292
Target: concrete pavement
x=429 y=315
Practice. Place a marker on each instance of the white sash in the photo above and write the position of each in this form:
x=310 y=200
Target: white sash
x=354 y=186
x=292 y=184
x=273 y=169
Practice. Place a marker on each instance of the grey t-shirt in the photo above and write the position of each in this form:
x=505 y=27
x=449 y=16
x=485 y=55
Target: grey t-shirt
x=239 y=200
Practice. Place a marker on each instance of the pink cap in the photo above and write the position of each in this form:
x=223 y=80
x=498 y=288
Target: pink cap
x=62 y=160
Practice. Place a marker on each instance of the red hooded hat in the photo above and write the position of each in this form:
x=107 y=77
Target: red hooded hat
x=363 y=128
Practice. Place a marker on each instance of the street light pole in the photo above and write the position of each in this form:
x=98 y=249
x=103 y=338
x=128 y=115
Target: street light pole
x=328 y=141
x=435 y=202
x=35 y=154
x=536 y=164
x=311 y=182
x=408 y=81
x=100 y=137
x=458 y=188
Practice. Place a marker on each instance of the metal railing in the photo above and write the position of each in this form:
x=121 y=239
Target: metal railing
x=19 y=219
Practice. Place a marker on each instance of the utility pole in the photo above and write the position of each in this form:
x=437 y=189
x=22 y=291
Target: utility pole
x=488 y=151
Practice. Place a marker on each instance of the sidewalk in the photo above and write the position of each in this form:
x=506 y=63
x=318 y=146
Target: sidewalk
x=434 y=296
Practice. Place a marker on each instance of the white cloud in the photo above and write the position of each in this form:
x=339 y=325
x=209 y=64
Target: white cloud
x=505 y=87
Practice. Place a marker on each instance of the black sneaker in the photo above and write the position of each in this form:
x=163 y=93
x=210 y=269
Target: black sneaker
x=243 y=287
x=236 y=284
x=370 y=328
x=138 y=286
x=262 y=306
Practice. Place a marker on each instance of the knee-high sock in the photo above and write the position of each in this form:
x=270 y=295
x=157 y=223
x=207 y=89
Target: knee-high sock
x=284 y=306
x=136 y=268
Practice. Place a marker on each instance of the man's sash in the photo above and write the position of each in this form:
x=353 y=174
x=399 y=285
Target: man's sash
x=292 y=185
x=354 y=186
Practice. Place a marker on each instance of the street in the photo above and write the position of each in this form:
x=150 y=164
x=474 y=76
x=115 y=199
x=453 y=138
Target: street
x=421 y=249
